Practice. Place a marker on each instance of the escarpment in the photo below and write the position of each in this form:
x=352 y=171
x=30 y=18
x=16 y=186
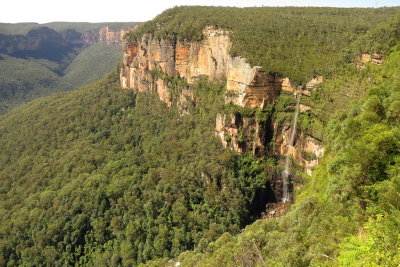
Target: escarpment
x=45 y=42
x=105 y=35
x=149 y=62
x=247 y=86
x=42 y=42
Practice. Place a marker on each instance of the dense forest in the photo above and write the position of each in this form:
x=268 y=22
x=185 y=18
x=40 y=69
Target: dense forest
x=101 y=176
x=22 y=80
x=108 y=175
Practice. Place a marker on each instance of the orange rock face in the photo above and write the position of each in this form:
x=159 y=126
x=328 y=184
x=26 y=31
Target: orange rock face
x=247 y=86
x=105 y=35
x=374 y=59
x=184 y=59
x=263 y=90
x=314 y=83
x=304 y=108
x=132 y=51
x=147 y=62
x=307 y=150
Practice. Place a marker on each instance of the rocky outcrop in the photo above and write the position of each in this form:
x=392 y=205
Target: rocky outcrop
x=149 y=63
x=374 y=58
x=105 y=35
x=242 y=134
x=307 y=150
x=247 y=86
x=314 y=83
x=252 y=88
x=364 y=58
x=304 y=108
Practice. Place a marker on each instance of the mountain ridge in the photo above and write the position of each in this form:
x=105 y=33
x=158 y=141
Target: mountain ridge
x=56 y=52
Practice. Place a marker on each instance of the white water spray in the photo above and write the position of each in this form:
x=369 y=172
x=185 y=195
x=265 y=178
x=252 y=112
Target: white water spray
x=286 y=172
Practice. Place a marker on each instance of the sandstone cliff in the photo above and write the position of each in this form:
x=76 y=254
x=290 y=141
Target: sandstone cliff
x=247 y=86
x=146 y=61
x=180 y=58
x=47 y=43
x=105 y=35
x=306 y=151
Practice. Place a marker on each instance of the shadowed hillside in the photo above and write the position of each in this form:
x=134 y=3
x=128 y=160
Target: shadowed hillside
x=40 y=59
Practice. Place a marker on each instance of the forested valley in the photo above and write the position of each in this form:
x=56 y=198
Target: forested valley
x=105 y=176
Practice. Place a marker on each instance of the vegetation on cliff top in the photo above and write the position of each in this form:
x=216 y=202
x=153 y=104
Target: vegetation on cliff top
x=297 y=42
x=55 y=59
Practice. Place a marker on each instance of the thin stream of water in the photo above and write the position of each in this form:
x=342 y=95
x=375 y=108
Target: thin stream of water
x=285 y=173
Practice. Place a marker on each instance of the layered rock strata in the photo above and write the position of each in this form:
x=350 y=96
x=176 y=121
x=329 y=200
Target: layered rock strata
x=105 y=35
x=242 y=134
x=247 y=86
x=148 y=62
x=307 y=150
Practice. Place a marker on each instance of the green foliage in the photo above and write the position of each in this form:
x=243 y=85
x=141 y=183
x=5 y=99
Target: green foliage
x=344 y=90
x=92 y=63
x=283 y=110
x=261 y=115
x=348 y=212
x=54 y=65
x=157 y=74
x=231 y=108
x=378 y=40
x=378 y=243
x=101 y=175
x=297 y=42
x=302 y=238
x=22 y=80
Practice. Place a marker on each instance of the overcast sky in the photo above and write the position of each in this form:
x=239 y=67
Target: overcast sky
x=133 y=10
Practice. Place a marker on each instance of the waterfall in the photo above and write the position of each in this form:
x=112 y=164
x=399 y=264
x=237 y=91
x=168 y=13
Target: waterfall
x=286 y=172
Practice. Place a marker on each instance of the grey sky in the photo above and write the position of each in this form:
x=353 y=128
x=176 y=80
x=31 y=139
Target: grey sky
x=129 y=10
